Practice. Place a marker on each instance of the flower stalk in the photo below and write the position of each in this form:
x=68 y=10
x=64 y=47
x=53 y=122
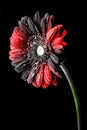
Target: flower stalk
x=74 y=93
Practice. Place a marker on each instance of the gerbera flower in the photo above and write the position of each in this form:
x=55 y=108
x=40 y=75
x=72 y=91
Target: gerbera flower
x=35 y=47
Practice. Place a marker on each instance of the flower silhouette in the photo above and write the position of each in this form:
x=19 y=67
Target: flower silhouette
x=35 y=48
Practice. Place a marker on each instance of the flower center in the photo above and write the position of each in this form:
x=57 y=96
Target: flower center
x=40 y=50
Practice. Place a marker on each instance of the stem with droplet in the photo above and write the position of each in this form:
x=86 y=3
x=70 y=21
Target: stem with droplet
x=74 y=93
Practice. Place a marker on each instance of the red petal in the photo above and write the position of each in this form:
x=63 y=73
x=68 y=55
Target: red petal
x=34 y=84
x=59 y=26
x=45 y=85
x=39 y=76
x=64 y=33
x=18 y=38
x=57 y=49
x=47 y=75
x=55 y=82
x=64 y=44
x=51 y=32
x=18 y=43
x=57 y=41
x=52 y=68
x=57 y=35
x=58 y=46
x=17 y=53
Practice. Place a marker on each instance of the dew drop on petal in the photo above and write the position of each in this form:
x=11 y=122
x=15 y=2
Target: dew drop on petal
x=40 y=50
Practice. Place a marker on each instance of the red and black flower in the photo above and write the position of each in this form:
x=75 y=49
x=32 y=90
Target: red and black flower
x=35 y=46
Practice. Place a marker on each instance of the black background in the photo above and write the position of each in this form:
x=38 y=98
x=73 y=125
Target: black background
x=54 y=107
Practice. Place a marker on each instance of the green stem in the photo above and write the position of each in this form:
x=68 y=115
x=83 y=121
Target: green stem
x=74 y=93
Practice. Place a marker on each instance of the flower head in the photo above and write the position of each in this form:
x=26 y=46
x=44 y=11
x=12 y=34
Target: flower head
x=35 y=47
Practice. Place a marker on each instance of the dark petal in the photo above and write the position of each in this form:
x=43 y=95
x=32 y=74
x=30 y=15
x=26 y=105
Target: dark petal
x=32 y=73
x=53 y=68
x=23 y=24
x=37 y=18
x=25 y=74
x=32 y=57
x=43 y=26
x=46 y=16
x=17 y=61
x=54 y=58
x=22 y=65
x=51 y=19
x=33 y=27
x=34 y=60
x=39 y=76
